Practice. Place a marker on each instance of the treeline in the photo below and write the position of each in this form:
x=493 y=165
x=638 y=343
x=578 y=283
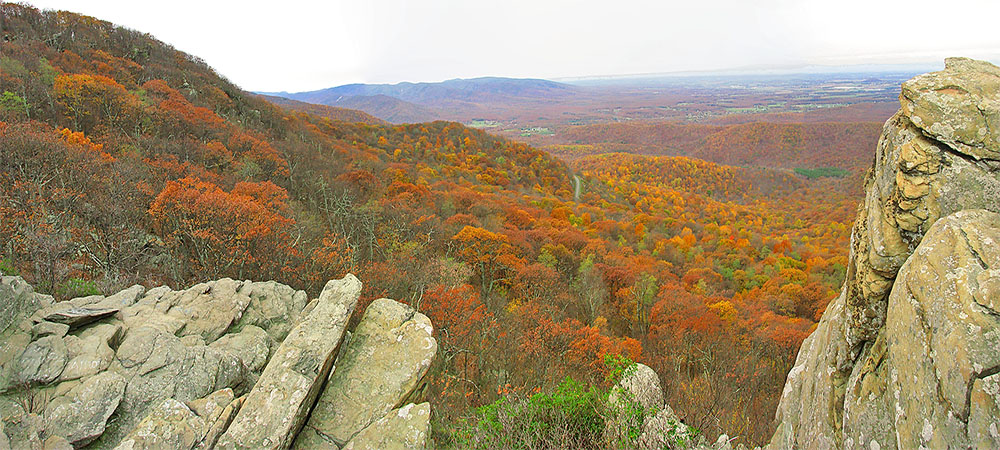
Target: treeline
x=757 y=144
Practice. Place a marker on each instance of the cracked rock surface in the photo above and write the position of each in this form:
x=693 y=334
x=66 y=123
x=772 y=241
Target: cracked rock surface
x=939 y=349
x=222 y=364
x=937 y=158
x=381 y=369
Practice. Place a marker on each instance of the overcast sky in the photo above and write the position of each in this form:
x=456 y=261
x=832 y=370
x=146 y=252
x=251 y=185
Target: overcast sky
x=298 y=45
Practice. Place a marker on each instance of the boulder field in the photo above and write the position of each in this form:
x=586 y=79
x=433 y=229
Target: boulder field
x=223 y=364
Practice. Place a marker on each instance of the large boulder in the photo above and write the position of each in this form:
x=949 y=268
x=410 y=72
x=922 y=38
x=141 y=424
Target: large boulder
x=941 y=336
x=915 y=181
x=18 y=301
x=406 y=428
x=387 y=357
x=959 y=106
x=936 y=157
x=171 y=424
x=81 y=415
x=640 y=384
x=277 y=407
x=639 y=419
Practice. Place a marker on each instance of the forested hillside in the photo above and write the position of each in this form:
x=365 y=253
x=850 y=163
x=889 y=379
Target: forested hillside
x=127 y=161
x=330 y=112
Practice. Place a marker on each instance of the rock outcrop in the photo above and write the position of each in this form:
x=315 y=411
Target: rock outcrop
x=906 y=355
x=227 y=364
x=388 y=356
x=279 y=403
x=636 y=404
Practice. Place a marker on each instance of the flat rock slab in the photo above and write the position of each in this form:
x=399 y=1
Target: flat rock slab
x=78 y=317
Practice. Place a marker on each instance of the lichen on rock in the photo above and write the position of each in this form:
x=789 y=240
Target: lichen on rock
x=873 y=373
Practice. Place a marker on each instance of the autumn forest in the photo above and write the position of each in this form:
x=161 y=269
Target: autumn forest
x=707 y=250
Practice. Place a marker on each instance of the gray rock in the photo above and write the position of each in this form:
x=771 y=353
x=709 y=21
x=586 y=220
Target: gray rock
x=405 y=428
x=4 y=440
x=56 y=443
x=636 y=396
x=12 y=346
x=18 y=301
x=216 y=429
x=211 y=406
x=959 y=106
x=158 y=365
x=273 y=307
x=277 y=407
x=81 y=415
x=43 y=360
x=665 y=431
x=941 y=304
x=641 y=385
x=169 y=425
x=122 y=299
x=91 y=352
x=252 y=345
x=42 y=329
x=213 y=309
x=23 y=427
x=209 y=309
x=389 y=353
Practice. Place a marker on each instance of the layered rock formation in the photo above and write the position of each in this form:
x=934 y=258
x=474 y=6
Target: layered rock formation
x=906 y=356
x=228 y=364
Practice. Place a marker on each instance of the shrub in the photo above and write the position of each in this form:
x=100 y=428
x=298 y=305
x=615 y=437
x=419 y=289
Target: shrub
x=572 y=416
x=76 y=287
x=7 y=267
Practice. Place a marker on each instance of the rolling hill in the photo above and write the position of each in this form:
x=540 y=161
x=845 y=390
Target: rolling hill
x=330 y=112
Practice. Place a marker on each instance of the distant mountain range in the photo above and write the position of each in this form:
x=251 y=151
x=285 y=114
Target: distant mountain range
x=424 y=102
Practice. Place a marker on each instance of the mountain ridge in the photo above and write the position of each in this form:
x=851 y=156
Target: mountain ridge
x=409 y=102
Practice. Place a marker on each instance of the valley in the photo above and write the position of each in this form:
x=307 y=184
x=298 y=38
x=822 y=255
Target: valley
x=697 y=224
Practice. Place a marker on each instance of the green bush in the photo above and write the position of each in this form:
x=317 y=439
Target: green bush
x=7 y=267
x=76 y=287
x=11 y=103
x=572 y=416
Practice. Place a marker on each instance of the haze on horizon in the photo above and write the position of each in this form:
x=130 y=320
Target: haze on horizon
x=298 y=45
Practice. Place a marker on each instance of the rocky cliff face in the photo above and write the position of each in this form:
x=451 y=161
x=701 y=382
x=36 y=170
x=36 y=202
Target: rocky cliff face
x=228 y=364
x=907 y=355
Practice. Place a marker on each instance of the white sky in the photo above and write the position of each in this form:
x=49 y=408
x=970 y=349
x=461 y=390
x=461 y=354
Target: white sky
x=299 y=45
